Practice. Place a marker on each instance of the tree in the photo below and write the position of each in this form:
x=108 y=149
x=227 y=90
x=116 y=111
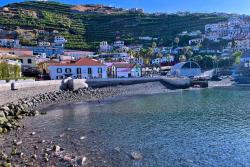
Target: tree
x=143 y=52
x=187 y=51
x=159 y=55
x=237 y=56
x=177 y=41
x=154 y=45
x=182 y=58
x=131 y=52
x=150 y=52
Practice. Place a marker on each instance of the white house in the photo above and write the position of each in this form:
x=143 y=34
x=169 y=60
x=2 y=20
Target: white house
x=185 y=69
x=60 y=40
x=164 y=59
x=28 y=60
x=138 y=61
x=119 y=44
x=8 y=42
x=105 y=47
x=125 y=70
x=43 y=43
x=82 y=68
x=240 y=45
x=78 y=54
x=195 y=41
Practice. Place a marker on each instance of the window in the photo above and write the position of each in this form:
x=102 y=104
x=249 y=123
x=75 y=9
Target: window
x=29 y=61
x=59 y=70
x=78 y=70
x=59 y=77
x=89 y=70
x=99 y=70
x=68 y=70
x=21 y=60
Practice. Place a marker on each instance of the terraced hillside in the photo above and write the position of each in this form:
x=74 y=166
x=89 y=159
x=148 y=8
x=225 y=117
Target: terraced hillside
x=85 y=30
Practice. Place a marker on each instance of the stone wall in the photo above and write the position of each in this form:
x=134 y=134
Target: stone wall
x=99 y=83
x=37 y=84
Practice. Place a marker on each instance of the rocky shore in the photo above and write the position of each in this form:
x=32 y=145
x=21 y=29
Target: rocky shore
x=11 y=113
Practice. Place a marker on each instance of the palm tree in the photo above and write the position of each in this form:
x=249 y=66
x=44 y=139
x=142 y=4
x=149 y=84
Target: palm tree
x=182 y=58
x=150 y=52
x=237 y=56
x=154 y=45
x=177 y=41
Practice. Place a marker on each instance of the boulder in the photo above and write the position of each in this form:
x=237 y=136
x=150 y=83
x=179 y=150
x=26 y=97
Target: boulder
x=75 y=84
x=64 y=84
x=3 y=120
x=136 y=156
x=2 y=114
x=81 y=161
x=56 y=148
x=5 y=108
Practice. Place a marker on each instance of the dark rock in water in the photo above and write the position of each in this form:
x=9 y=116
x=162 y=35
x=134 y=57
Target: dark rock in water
x=43 y=112
x=34 y=156
x=62 y=135
x=81 y=161
x=57 y=148
x=136 y=156
x=21 y=154
x=118 y=149
x=35 y=113
x=46 y=159
x=33 y=133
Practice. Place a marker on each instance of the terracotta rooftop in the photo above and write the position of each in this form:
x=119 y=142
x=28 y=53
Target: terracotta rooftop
x=80 y=62
x=13 y=49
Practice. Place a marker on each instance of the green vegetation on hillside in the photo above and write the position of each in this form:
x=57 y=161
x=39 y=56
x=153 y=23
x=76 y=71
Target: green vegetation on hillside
x=85 y=31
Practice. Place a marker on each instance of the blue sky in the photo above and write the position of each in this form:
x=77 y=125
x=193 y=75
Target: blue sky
x=229 y=6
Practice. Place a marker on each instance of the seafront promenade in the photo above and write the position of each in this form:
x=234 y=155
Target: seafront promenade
x=31 y=89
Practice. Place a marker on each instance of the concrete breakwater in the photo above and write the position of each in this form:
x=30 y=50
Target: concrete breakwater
x=74 y=84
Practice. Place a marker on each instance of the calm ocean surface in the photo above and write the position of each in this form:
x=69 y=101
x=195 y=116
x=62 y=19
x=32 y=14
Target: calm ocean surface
x=209 y=127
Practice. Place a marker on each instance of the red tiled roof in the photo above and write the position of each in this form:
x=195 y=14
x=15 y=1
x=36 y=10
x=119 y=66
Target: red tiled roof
x=80 y=62
x=14 y=49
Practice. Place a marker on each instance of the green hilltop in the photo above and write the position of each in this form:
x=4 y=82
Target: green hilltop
x=84 y=29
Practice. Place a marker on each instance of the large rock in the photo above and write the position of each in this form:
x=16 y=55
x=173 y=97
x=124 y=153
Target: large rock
x=3 y=120
x=64 y=84
x=2 y=114
x=75 y=84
